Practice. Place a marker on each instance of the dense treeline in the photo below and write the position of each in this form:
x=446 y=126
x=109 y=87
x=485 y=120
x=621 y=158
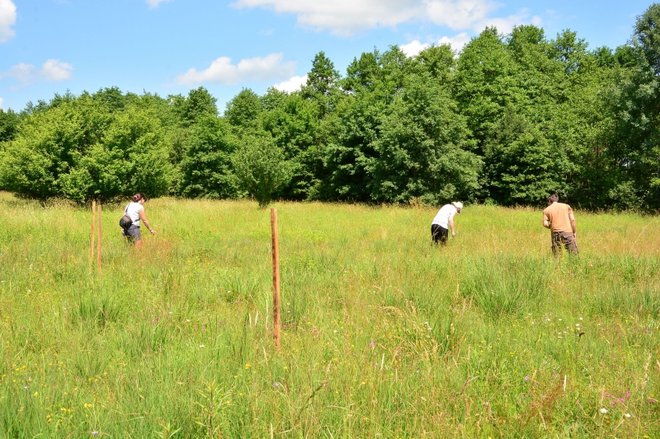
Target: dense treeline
x=508 y=120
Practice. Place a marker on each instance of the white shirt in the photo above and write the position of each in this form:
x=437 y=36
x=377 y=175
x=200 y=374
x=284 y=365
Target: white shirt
x=443 y=216
x=133 y=210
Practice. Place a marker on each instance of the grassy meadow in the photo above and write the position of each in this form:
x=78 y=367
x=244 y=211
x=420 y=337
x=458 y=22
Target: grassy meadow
x=384 y=335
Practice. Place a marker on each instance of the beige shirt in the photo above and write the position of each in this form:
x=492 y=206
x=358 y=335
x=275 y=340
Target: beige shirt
x=559 y=215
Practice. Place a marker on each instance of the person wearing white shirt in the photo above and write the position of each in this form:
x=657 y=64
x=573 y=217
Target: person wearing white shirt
x=135 y=210
x=443 y=222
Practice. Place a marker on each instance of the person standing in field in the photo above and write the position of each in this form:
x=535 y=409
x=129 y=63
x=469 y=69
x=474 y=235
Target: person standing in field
x=135 y=210
x=444 y=222
x=559 y=218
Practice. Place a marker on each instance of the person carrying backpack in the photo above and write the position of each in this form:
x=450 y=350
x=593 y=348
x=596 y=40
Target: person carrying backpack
x=135 y=211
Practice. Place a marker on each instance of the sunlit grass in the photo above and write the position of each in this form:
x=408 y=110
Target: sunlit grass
x=384 y=335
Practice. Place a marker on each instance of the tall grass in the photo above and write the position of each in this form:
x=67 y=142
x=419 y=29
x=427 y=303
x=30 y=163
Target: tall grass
x=384 y=335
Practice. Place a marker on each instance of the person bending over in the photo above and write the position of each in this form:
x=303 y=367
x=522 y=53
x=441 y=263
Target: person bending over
x=444 y=222
x=135 y=210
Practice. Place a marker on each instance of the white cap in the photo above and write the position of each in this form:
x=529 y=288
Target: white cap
x=458 y=205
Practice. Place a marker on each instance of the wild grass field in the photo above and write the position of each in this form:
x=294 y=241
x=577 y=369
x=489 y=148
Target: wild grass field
x=383 y=335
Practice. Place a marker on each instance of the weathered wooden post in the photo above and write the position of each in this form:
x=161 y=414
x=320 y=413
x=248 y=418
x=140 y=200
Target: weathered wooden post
x=92 y=243
x=276 y=278
x=99 y=230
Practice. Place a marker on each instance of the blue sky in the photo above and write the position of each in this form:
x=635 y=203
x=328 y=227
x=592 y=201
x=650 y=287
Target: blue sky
x=172 y=46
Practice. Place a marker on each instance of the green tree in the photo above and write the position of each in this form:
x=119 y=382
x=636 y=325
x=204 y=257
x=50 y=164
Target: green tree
x=373 y=82
x=424 y=149
x=243 y=110
x=197 y=105
x=322 y=85
x=483 y=84
x=260 y=168
x=438 y=62
x=8 y=125
x=131 y=156
x=524 y=165
x=50 y=142
x=79 y=149
x=637 y=147
x=294 y=125
x=206 y=165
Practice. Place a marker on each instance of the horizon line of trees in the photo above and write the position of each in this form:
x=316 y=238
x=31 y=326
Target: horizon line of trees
x=508 y=120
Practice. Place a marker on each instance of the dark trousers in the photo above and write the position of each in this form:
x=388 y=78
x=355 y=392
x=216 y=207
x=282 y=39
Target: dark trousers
x=439 y=234
x=563 y=239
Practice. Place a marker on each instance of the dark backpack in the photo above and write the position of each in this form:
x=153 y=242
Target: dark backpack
x=125 y=222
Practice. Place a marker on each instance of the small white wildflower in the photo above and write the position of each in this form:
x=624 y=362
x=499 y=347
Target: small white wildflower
x=627 y=415
x=603 y=410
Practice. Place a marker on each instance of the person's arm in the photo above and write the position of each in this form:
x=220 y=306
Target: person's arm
x=452 y=227
x=571 y=218
x=546 y=221
x=143 y=218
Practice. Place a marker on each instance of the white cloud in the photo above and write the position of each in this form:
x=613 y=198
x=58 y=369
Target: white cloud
x=506 y=24
x=51 y=70
x=7 y=20
x=54 y=70
x=346 y=17
x=21 y=72
x=343 y=17
x=2 y=101
x=413 y=48
x=268 y=68
x=459 y=14
x=292 y=84
x=156 y=3
x=457 y=42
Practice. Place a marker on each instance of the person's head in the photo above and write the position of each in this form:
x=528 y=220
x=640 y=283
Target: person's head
x=139 y=197
x=458 y=205
x=553 y=199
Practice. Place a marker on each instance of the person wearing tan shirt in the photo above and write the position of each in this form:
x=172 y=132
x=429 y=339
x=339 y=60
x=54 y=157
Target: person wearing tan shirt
x=559 y=218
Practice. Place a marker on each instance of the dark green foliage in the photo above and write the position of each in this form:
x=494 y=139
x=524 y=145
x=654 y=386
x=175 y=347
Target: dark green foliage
x=260 y=168
x=197 y=105
x=244 y=109
x=8 y=125
x=636 y=152
x=205 y=167
x=323 y=78
x=294 y=125
x=82 y=148
x=507 y=120
x=483 y=84
x=524 y=166
x=424 y=148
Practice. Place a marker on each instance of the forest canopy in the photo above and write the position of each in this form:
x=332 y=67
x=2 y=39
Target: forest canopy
x=508 y=120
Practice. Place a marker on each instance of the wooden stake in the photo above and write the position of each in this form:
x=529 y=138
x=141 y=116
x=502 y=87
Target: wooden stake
x=276 y=278
x=91 y=245
x=99 y=229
